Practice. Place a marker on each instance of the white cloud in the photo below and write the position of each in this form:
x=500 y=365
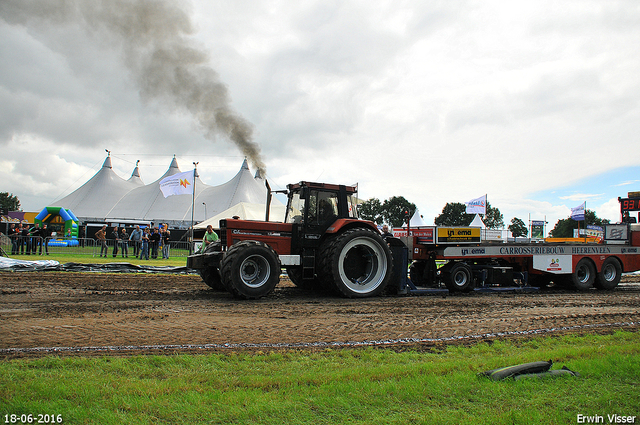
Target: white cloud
x=438 y=102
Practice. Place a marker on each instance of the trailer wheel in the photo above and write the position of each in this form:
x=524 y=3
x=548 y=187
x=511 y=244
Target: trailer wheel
x=357 y=263
x=610 y=274
x=584 y=275
x=295 y=274
x=458 y=278
x=250 y=269
x=416 y=273
x=211 y=276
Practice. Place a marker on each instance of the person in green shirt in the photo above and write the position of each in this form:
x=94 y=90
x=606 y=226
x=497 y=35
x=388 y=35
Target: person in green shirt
x=209 y=237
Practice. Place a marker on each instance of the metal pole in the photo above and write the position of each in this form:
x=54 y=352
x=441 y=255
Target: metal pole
x=193 y=202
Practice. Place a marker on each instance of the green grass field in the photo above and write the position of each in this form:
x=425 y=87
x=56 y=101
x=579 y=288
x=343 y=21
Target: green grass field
x=62 y=258
x=355 y=386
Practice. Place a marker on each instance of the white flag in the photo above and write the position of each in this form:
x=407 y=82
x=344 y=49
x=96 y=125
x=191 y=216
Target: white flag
x=177 y=184
x=577 y=213
x=477 y=206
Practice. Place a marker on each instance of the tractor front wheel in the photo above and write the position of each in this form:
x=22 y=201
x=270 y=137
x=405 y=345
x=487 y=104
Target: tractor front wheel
x=250 y=269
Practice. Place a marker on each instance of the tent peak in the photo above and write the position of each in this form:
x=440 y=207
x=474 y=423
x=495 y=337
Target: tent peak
x=107 y=162
x=136 y=171
x=174 y=163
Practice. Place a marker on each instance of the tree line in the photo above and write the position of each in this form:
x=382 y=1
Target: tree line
x=394 y=211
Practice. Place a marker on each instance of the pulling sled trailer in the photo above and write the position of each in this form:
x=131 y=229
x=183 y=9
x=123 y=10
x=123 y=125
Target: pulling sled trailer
x=459 y=259
x=322 y=244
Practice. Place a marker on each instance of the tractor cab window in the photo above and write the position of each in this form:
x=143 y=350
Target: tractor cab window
x=351 y=205
x=295 y=209
x=323 y=207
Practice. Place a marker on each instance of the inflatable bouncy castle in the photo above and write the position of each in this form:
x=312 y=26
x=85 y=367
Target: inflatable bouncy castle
x=48 y=214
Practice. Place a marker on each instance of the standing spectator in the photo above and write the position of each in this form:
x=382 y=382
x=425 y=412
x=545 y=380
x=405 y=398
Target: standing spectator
x=144 y=251
x=154 y=241
x=125 y=243
x=101 y=236
x=13 y=235
x=82 y=234
x=166 y=236
x=136 y=238
x=46 y=236
x=115 y=236
x=36 y=238
x=24 y=239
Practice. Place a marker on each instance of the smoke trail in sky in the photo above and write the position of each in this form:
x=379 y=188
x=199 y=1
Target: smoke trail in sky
x=154 y=36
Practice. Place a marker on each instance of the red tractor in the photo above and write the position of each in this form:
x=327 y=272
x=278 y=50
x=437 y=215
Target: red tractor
x=322 y=244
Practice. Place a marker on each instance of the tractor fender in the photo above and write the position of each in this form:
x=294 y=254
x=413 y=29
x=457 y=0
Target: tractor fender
x=343 y=224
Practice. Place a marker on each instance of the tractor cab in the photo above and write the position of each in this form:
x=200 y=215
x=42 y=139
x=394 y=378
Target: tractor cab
x=314 y=208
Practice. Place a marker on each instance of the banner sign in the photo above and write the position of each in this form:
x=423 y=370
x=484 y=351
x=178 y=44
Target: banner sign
x=537 y=229
x=553 y=263
x=616 y=232
x=458 y=235
x=425 y=234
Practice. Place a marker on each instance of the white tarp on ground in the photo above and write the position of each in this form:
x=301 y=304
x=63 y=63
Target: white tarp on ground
x=6 y=263
x=246 y=211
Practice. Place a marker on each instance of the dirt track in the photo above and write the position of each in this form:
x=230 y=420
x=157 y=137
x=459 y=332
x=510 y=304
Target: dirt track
x=63 y=309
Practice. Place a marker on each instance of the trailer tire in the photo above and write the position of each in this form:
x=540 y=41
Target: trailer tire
x=458 y=278
x=609 y=275
x=295 y=274
x=250 y=269
x=211 y=276
x=584 y=275
x=357 y=263
x=416 y=273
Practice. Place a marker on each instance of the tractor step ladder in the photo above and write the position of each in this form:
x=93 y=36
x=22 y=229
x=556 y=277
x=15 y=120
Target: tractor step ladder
x=308 y=263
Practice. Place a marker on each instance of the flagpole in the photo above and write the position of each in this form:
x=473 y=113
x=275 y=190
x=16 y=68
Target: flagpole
x=193 y=203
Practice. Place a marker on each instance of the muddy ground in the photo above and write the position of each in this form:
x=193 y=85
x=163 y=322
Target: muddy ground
x=128 y=313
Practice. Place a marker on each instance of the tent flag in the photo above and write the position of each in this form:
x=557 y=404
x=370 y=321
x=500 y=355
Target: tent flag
x=177 y=184
x=477 y=206
x=577 y=213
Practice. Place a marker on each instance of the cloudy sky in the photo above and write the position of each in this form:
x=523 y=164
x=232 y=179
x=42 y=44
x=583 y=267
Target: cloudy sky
x=536 y=104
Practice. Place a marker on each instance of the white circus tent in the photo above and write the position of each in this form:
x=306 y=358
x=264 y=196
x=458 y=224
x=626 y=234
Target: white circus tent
x=246 y=211
x=108 y=198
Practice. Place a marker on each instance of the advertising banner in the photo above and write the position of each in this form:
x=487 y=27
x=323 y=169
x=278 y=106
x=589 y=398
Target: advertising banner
x=458 y=235
x=553 y=263
x=426 y=234
x=537 y=229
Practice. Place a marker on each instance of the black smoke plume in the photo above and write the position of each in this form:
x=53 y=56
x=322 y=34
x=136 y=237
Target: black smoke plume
x=154 y=37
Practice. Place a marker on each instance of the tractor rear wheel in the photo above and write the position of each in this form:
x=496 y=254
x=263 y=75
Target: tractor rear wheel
x=250 y=269
x=357 y=263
